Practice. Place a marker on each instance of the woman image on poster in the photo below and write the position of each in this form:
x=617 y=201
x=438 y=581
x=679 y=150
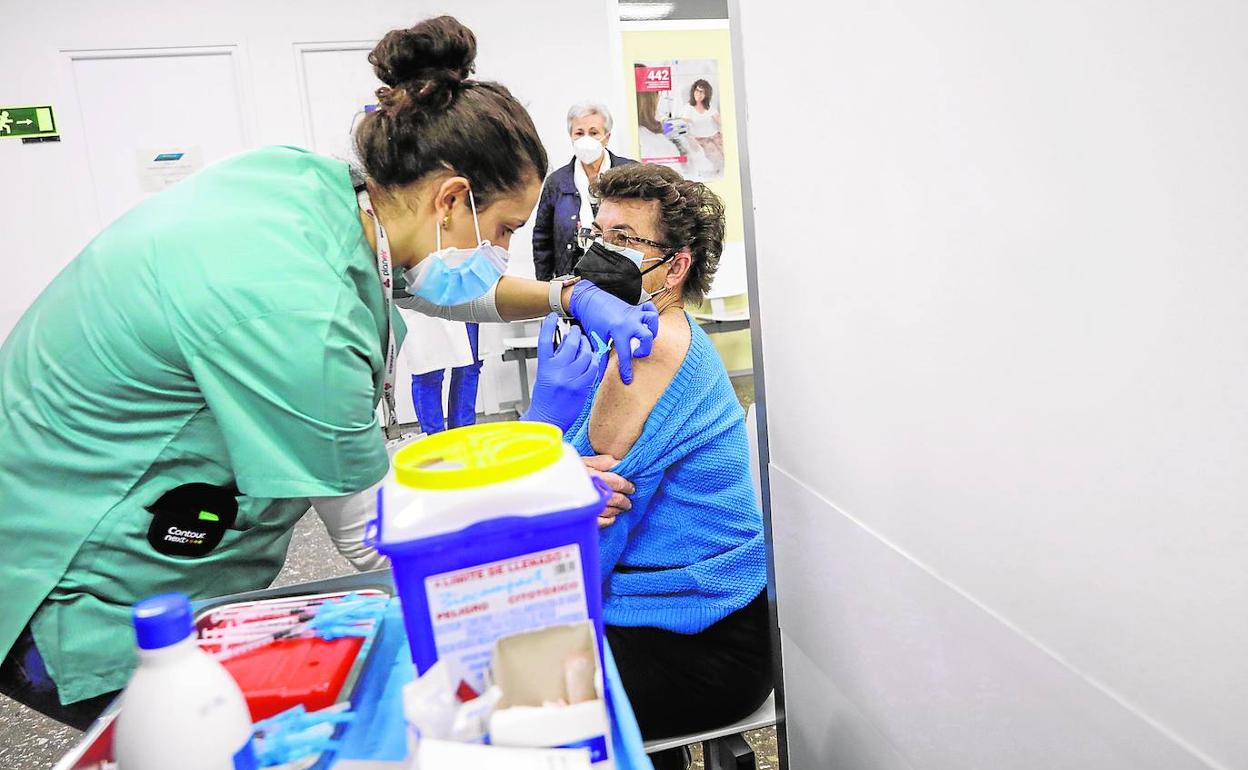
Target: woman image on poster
x=703 y=120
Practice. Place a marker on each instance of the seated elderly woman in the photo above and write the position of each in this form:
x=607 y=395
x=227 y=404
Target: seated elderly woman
x=684 y=569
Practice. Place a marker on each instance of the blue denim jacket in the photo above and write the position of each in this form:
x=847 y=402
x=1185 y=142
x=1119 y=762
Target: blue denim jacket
x=558 y=217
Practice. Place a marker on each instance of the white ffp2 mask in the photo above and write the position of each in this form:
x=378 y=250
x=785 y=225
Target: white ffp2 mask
x=588 y=149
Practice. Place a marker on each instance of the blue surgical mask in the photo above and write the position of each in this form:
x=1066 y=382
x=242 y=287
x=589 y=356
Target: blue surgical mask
x=454 y=276
x=633 y=254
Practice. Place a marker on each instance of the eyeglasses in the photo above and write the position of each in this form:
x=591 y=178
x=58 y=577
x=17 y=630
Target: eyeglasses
x=615 y=237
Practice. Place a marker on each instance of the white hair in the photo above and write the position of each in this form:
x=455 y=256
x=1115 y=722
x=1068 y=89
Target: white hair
x=581 y=109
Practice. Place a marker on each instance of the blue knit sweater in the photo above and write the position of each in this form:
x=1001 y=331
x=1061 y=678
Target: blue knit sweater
x=690 y=552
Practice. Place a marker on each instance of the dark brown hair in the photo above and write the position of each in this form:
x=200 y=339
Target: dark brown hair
x=700 y=83
x=430 y=116
x=647 y=103
x=690 y=215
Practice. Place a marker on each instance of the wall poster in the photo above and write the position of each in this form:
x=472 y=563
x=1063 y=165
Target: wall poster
x=678 y=117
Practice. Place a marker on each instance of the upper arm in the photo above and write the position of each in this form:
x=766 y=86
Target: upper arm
x=614 y=540
x=293 y=394
x=543 y=223
x=545 y=212
x=620 y=411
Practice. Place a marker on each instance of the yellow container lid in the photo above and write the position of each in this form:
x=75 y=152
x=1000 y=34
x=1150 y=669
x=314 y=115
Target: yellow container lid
x=478 y=455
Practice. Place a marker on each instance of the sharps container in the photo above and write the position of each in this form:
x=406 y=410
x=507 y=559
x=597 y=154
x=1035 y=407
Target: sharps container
x=491 y=530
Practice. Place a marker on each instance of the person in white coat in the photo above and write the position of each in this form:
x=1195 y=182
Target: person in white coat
x=437 y=345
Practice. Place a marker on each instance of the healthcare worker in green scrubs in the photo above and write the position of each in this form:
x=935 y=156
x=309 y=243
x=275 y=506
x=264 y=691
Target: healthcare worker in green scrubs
x=212 y=362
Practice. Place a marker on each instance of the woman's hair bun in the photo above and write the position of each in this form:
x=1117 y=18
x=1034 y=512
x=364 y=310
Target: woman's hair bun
x=432 y=118
x=424 y=64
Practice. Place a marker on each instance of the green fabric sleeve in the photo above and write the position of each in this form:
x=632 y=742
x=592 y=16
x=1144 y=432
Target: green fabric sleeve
x=294 y=395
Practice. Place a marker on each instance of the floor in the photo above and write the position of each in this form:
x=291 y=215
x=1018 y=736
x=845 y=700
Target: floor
x=30 y=741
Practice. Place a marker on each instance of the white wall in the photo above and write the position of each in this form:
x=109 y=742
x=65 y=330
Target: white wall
x=1005 y=336
x=548 y=52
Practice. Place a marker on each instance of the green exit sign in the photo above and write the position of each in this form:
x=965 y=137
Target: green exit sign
x=27 y=122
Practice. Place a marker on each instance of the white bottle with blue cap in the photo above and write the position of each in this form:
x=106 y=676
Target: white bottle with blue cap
x=181 y=708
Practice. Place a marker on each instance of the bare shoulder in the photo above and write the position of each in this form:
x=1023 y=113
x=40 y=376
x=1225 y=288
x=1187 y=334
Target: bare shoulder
x=620 y=411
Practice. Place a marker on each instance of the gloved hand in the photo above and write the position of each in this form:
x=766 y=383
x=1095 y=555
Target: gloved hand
x=611 y=318
x=565 y=376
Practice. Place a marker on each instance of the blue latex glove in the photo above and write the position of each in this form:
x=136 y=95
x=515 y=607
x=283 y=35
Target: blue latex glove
x=565 y=376
x=611 y=318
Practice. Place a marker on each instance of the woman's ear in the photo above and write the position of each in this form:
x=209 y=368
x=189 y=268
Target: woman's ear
x=448 y=193
x=679 y=268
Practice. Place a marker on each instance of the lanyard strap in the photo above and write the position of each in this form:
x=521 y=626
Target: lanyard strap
x=387 y=293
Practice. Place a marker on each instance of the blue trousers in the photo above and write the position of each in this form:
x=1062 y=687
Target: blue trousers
x=24 y=678
x=462 y=409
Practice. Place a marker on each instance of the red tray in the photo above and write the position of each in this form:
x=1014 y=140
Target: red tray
x=314 y=672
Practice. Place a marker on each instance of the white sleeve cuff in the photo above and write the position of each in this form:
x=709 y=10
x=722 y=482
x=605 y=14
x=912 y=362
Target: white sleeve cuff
x=481 y=310
x=346 y=518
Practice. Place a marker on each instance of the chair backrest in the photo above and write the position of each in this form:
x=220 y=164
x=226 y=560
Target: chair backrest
x=756 y=475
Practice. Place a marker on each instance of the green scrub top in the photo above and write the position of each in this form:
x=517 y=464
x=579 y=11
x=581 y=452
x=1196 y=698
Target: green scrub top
x=228 y=332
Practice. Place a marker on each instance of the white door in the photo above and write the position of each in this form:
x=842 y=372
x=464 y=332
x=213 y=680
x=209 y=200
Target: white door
x=137 y=106
x=336 y=91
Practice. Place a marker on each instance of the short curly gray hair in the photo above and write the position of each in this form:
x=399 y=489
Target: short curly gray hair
x=581 y=109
